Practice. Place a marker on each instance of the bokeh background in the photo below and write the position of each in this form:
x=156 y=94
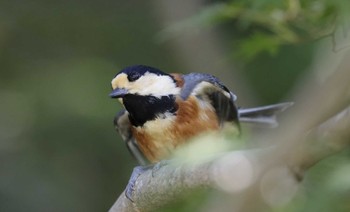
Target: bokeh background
x=58 y=147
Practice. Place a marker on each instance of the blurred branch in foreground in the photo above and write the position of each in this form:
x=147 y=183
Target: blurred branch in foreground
x=317 y=127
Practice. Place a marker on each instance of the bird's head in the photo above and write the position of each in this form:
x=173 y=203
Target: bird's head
x=143 y=81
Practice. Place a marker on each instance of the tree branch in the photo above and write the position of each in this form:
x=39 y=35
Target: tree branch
x=234 y=171
x=262 y=175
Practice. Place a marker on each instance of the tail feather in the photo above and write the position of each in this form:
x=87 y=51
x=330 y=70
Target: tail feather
x=264 y=116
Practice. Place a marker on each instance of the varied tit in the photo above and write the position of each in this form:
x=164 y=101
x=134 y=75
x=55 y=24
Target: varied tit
x=163 y=111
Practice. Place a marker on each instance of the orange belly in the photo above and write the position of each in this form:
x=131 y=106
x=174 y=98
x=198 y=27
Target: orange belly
x=158 y=138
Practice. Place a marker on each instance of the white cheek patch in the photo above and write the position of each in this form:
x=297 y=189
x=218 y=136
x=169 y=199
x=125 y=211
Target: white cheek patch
x=155 y=85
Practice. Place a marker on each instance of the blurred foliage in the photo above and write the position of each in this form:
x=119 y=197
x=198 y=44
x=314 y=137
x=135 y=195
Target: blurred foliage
x=267 y=25
x=58 y=148
x=326 y=187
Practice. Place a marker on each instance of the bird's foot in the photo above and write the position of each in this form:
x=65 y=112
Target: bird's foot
x=130 y=188
x=138 y=170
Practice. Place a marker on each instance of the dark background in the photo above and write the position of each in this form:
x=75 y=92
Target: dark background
x=58 y=147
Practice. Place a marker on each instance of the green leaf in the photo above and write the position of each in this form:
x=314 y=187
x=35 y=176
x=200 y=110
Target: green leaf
x=259 y=43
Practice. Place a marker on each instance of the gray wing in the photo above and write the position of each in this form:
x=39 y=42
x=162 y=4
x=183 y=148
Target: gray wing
x=123 y=127
x=223 y=100
x=208 y=87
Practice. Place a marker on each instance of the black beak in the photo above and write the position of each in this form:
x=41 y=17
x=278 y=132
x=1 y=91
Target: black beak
x=118 y=93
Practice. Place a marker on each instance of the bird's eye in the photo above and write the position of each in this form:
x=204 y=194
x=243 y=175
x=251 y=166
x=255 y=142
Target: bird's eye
x=133 y=76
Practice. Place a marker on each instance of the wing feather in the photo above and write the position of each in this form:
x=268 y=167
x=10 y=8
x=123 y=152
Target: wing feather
x=123 y=127
x=208 y=87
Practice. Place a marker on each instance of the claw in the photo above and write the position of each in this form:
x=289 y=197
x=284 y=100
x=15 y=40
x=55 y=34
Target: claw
x=138 y=170
x=130 y=188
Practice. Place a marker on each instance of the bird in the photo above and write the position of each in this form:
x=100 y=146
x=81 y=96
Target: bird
x=163 y=111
